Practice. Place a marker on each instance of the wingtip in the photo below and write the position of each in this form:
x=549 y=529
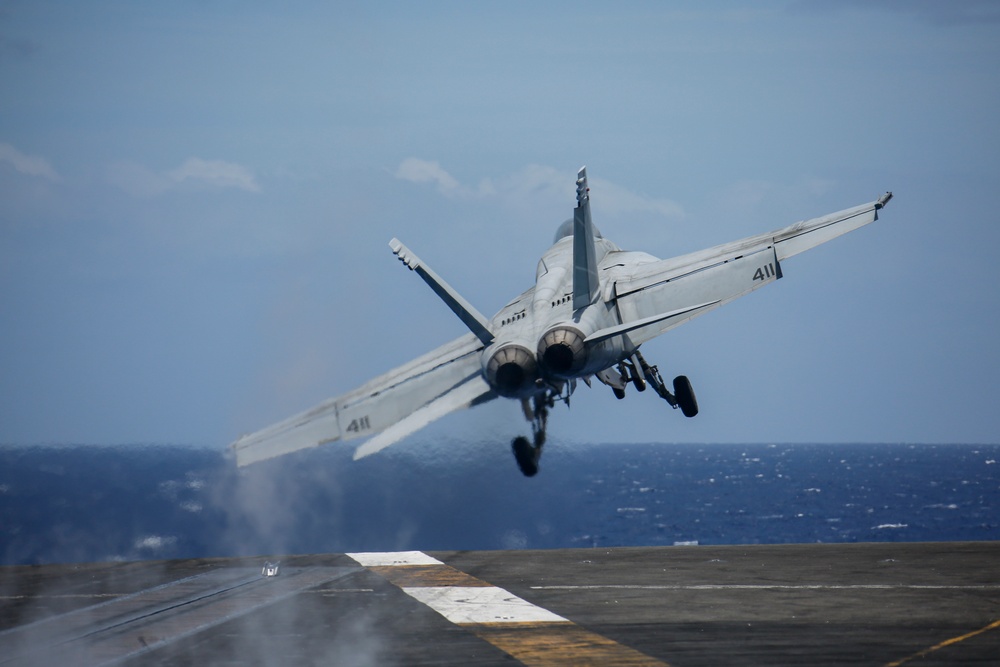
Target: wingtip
x=404 y=254
x=883 y=200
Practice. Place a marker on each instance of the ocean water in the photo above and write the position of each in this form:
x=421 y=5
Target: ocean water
x=97 y=503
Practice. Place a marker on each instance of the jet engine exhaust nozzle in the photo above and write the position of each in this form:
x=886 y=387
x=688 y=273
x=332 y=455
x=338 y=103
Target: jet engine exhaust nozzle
x=562 y=352
x=511 y=370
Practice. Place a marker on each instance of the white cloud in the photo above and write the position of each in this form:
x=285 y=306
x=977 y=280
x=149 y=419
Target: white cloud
x=31 y=165
x=141 y=181
x=536 y=183
x=622 y=200
x=531 y=182
x=416 y=170
x=215 y=173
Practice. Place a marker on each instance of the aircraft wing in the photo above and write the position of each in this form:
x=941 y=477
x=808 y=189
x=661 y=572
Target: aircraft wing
x=664 y=294
x=394 y=404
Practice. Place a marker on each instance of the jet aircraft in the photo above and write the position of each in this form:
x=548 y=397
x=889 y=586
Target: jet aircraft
x=591 y=308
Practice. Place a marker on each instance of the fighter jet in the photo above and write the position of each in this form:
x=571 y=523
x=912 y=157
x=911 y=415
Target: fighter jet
x=591 y=308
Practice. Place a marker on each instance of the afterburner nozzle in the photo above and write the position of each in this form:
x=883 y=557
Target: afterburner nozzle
x=511 y=371
x=561 y=352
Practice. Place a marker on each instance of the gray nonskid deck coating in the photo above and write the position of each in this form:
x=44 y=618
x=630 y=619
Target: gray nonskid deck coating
x=878 y=604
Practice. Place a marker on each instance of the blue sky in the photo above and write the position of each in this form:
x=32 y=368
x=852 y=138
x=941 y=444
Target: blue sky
x=196 y=200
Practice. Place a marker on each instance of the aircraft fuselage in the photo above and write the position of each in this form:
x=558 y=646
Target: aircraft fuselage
x=540 y=337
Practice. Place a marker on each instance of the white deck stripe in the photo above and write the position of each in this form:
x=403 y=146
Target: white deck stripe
x=390 y=558
x=462 y=605
x=465 y=605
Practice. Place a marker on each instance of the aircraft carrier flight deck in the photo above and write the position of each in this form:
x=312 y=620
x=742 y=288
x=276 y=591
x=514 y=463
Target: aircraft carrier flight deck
x=869 y=604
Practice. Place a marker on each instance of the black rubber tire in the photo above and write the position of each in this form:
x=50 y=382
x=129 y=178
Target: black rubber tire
x=619 y=393
x=685 y=396
x=526 y=456
x=639 y=383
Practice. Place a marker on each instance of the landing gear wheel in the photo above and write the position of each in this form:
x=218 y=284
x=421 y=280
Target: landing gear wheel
x=685 y=396
x=526 y=456
x=528 y=453
x=619 y=393
x=639 y=381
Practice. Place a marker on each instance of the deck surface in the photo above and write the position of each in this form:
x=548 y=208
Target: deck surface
x=876 y=604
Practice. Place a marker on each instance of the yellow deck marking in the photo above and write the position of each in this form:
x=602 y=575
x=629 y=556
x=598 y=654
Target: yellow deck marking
x=568 y=644
x=411 y=576
x=948 y=642
x=527 y=632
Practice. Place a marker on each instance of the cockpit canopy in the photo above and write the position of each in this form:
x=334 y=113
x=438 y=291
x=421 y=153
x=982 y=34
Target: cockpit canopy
x=566 y=229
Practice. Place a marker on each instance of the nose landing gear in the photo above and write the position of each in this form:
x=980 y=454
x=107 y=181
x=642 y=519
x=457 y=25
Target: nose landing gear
x=528 y=452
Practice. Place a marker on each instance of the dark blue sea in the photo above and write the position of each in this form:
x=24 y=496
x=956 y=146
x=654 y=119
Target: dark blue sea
x=63 y=504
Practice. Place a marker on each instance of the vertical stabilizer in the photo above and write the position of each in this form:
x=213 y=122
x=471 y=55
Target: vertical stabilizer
x=585 y=283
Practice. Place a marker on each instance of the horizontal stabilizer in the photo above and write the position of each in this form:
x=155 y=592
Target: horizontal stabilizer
x=457 y=398
x=611 y=332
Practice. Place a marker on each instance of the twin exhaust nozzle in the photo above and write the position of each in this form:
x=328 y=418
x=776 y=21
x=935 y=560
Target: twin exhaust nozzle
x=514 y=371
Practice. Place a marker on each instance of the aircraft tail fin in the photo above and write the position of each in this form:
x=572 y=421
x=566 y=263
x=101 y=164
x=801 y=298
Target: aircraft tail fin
x=585 y=282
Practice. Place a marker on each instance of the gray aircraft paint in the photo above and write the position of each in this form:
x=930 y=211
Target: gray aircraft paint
x=592 y=306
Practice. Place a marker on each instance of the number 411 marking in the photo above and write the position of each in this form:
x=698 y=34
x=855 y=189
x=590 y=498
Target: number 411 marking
x=360 y=424
x=765 y=272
